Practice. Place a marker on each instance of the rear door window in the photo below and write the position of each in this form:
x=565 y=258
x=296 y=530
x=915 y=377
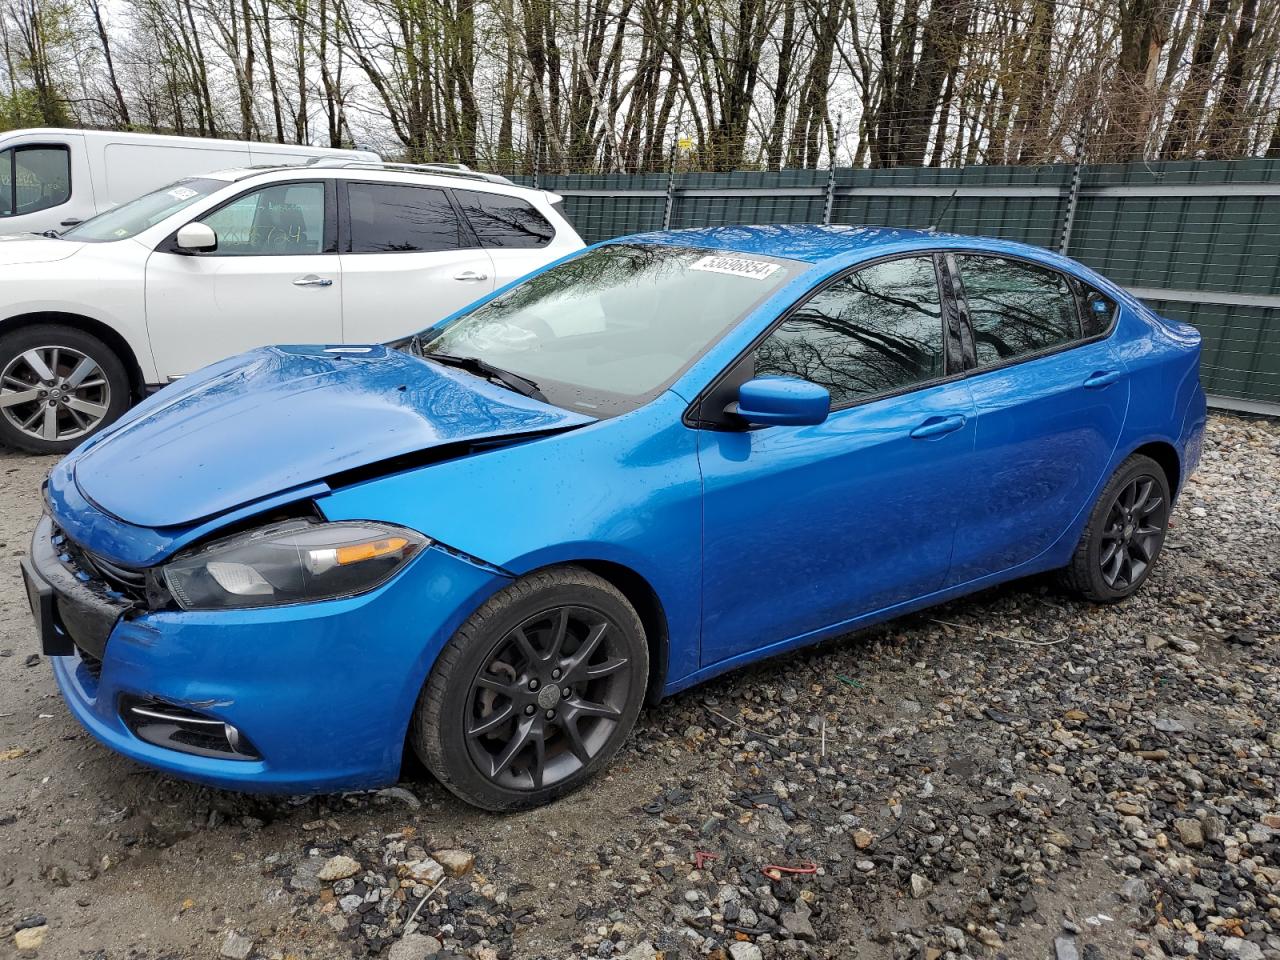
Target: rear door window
x=1016 y=309
x=396 y=218
x=500 y=220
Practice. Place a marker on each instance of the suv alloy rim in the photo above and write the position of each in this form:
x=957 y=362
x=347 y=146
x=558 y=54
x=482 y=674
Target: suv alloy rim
x=547 y=698
x=54 y=393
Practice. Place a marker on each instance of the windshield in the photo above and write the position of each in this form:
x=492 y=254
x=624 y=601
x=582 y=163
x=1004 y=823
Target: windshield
x=130 y=219
x=614 y=327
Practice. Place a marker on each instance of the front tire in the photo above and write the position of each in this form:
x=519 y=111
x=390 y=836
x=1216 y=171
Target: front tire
x=1124 y=535
x=535 y=693
x=58 y=386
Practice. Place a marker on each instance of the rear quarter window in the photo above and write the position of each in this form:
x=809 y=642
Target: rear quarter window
x=500 y=220
x=1097 y=310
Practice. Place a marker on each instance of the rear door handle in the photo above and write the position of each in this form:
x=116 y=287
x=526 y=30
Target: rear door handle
x=470 y=276
x=937 y=427
x=311 y=280
x=1103 y=378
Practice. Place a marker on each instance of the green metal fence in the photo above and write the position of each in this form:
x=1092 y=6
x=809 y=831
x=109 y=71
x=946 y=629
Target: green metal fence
x=1199 y=241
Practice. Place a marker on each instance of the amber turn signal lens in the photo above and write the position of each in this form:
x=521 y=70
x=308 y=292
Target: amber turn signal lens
x=367 y=551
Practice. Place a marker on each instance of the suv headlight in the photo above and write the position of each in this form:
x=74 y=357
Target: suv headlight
x=296 y=561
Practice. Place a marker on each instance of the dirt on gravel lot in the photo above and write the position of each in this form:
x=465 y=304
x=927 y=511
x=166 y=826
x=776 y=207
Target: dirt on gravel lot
x=1016 y=774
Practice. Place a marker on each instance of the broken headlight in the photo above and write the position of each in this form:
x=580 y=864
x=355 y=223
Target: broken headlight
x=292 y=562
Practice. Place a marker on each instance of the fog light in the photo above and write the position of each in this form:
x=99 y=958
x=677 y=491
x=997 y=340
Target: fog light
x=185 y=730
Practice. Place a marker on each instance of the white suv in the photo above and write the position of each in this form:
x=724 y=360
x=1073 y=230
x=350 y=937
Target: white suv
x=332 y=252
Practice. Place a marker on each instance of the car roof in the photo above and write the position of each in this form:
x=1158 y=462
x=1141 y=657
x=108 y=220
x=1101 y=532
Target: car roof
x=817 y=244
x=458 y=180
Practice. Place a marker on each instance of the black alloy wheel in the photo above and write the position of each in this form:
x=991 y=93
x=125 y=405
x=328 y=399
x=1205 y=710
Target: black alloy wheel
x=548 y=698
x=1124 y=534
x=1133 y=533
x=535 y=692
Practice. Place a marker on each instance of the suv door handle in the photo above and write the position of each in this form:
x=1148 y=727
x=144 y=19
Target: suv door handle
x=470 y=275
x=938 y=426
x=311 y=280
x=1103 y=378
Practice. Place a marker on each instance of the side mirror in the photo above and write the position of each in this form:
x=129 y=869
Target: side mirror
x=197 y=238
x=782 y=401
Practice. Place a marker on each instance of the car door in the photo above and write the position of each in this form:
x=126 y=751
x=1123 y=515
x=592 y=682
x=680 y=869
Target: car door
x=1050 y=398
x=407 y=260
x=516 y=236
x=274 y=277
x=807 y=527
x=44 y=181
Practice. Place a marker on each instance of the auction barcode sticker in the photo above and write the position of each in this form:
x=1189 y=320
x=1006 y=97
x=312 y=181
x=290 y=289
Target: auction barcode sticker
x=737 y=266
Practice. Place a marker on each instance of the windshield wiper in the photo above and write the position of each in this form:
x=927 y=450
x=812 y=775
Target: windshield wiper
x=483 y=368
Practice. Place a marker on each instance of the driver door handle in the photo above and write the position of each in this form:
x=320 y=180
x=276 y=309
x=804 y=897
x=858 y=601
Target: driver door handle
x=311 y=280
x=937 y=427
x=470 y=276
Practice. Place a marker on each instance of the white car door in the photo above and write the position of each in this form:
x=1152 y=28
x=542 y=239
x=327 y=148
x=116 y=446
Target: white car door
x=407 y=261
x=518 y=238
x=275 y=277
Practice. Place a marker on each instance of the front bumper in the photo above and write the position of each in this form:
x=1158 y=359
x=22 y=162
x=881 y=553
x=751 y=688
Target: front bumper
x=324 y=691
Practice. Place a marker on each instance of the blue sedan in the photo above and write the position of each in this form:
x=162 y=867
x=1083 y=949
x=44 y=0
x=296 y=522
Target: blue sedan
x=656 y=460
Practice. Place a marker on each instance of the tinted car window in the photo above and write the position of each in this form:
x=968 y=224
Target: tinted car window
x=280 y=220
x=873 y=332
x=1097 y=310
x=393 y=218
x=1016 y=308
x=33 y=179
x=503 y=221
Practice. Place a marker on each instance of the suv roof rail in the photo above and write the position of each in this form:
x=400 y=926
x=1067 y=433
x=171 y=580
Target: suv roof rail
x=443 y=169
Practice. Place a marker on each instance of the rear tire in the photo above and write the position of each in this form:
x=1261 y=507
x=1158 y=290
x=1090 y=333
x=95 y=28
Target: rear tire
x=58 y=387
x=535 y=693
x=1125 y=533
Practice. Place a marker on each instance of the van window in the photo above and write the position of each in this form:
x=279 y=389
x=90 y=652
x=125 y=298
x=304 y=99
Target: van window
x=34 y=178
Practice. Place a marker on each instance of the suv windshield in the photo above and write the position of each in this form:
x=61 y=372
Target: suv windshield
x=613 y=327
x=130 y=219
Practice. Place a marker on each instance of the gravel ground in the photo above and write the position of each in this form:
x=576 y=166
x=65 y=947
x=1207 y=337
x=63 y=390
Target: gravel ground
x=1015 y=774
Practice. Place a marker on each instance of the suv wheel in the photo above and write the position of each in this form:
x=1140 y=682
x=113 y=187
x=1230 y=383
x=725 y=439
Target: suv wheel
x=58 y=385
x=535 y=692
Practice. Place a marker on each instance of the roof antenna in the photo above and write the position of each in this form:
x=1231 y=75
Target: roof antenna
x=933 y=227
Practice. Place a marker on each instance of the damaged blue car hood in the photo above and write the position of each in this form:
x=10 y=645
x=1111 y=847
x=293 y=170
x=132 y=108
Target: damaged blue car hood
x=277 y=418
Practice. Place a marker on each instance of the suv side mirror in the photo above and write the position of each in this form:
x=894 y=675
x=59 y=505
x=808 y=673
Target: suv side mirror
x=782 y=401
x=197 y=238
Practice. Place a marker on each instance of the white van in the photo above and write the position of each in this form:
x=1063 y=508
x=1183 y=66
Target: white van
x=50 y=178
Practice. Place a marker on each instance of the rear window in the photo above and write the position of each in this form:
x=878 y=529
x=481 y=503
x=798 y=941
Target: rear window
x=505 y=221
x=394 y=218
